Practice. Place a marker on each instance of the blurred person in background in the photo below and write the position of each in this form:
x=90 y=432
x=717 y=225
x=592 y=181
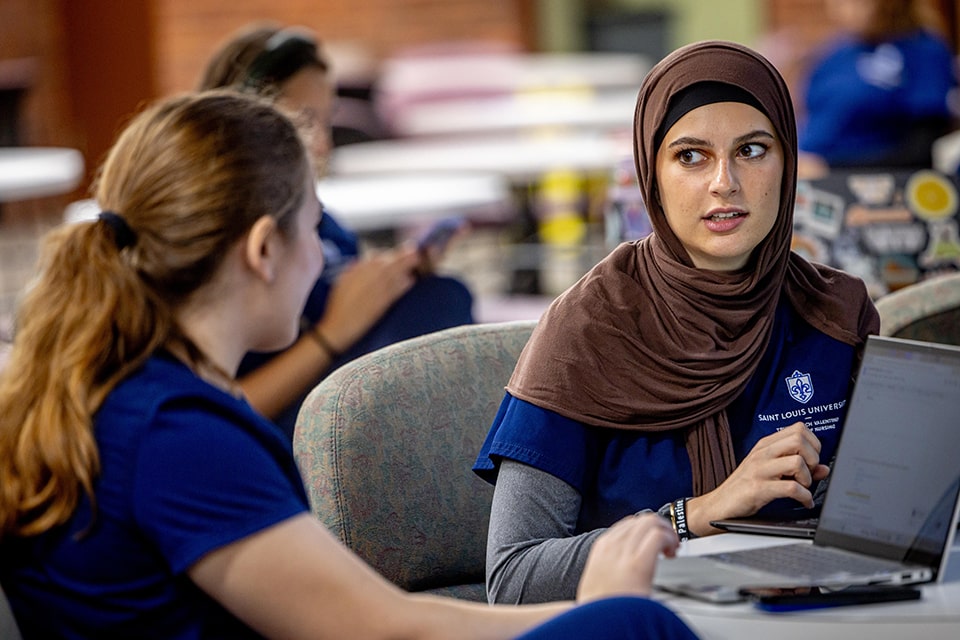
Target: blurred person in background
x=359 y=303
x=878 y=95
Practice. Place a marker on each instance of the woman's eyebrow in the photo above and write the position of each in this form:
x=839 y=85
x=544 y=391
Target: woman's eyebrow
x=700 y=142
x=686 y=141
x=753 y=135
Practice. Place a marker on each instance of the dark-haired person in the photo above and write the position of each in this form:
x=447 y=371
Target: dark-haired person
x=360 y=302
x=677 y=375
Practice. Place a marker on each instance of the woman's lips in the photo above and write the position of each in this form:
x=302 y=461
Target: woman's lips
x=724 y=220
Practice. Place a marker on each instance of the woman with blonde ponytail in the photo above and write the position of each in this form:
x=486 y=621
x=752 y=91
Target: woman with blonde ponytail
x=140 y=494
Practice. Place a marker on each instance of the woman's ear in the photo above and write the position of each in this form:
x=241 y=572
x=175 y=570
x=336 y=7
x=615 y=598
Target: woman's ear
x=262 y=250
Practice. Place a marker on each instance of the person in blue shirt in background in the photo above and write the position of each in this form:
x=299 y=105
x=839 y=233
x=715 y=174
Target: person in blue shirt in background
x=359 y=303
x=701 y=372
x=141 y=496
x=880 y=93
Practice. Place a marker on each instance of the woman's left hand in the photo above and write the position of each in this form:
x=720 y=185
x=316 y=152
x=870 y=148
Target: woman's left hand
x=782 y=465
x=623 y=558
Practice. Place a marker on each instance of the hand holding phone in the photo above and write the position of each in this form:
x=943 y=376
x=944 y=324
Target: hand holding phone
x=434 y=241
x=440 y=233
x=781 y=599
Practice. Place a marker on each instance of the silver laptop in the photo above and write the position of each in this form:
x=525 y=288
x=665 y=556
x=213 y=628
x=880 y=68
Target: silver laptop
x=890 y=512
x=803 y=524
x=804 y=528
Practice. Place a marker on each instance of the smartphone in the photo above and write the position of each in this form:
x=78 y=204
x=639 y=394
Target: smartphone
x=714 y=593
x=817 y=597
x=435 y=239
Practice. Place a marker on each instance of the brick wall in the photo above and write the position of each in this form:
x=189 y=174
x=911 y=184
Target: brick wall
x=97 y=62
x=31 y=29
x=807 y=21
x=79 y=97
x=188 y=31
x=31 y=39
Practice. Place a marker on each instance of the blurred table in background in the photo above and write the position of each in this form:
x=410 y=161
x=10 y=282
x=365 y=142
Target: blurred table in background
x=575 y=110
x=392 y=202
x=518 y=158
x=548 y=174
x=35 y=172
x=554 y=126
x=412 y=81
x=450 y=73
x=28 y=177
x=399 y=200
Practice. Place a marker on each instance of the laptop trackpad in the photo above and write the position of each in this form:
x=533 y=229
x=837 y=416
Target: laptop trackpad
x=690 y=570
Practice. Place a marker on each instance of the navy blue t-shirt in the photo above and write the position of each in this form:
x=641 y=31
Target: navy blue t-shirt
x=864 y=100
x=340 y=248
x=185 y=469
x=804 y=375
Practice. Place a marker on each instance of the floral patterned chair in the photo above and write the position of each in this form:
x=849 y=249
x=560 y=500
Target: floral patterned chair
x=386 y=443
x=928 y=310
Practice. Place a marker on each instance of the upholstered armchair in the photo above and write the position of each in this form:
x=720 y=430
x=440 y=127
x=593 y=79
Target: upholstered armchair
x=8 y=624
x=385 y=445
x=928 y=310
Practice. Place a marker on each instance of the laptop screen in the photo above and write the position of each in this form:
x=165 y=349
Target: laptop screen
x=895 y=482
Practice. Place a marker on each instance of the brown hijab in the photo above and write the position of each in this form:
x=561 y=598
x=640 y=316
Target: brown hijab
x=647 y=341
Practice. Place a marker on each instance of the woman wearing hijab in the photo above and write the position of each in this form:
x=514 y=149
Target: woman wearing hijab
x=679 y=373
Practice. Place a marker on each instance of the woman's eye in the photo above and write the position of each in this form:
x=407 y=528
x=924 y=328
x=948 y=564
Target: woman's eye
x=753 y=150
x=689 y=156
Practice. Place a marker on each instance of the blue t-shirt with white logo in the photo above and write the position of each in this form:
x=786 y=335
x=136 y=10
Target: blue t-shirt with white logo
x=805 y=375
x=870 y=104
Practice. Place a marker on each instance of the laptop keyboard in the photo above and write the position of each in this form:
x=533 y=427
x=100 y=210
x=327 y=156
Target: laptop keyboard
x=804 y=560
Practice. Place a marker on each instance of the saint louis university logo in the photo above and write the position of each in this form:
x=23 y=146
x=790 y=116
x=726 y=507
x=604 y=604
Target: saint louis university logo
x=800 y=387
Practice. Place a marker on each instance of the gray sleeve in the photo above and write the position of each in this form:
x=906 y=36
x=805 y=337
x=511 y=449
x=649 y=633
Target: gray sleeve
x=532 y=552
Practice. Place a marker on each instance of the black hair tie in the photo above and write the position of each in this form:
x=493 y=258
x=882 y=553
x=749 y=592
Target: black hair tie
x=285 y=53
x=123 y=235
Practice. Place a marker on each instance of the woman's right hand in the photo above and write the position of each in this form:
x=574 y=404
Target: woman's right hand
x=784 y=464
x=363 y=293
x=623 y=558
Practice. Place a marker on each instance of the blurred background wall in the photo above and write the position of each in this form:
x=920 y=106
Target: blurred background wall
x=85 y=65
